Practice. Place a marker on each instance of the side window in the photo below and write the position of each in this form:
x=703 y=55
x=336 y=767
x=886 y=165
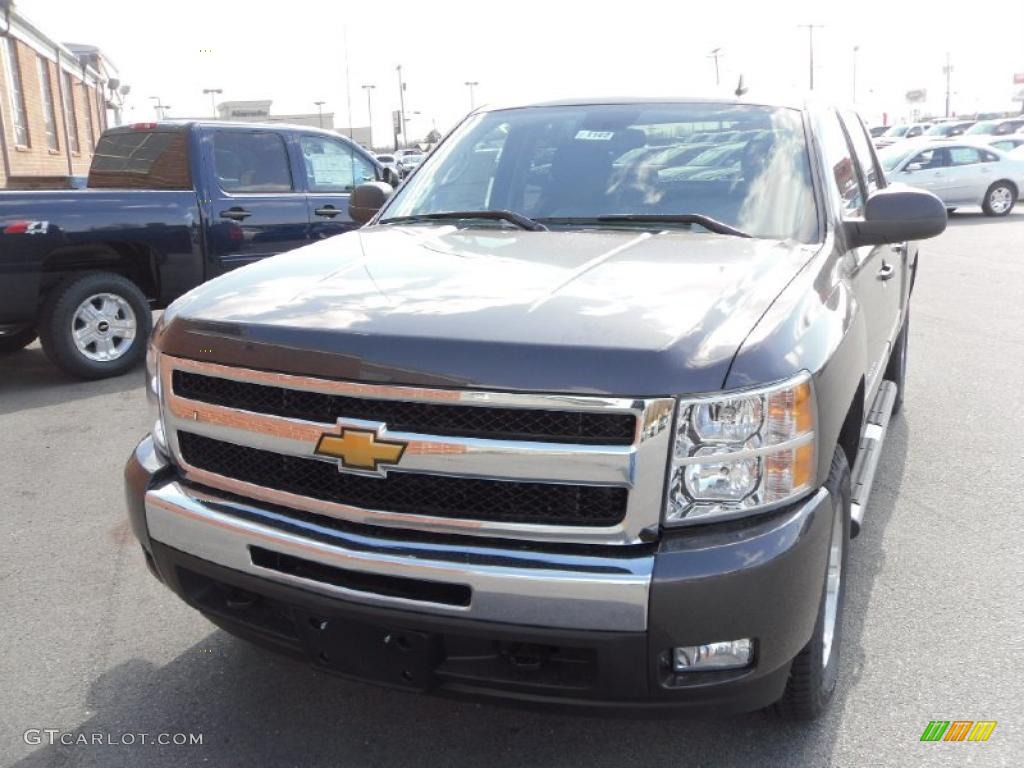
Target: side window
x=332 y=166
x=964 y=156
x=255 y=161
x=862 y=148
x=930 y=158
x=839 y=159
x=1006 y=146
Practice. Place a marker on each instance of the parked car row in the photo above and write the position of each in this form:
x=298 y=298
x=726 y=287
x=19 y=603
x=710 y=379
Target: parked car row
x=964 y=171
x=403 y=161
x=951 y=128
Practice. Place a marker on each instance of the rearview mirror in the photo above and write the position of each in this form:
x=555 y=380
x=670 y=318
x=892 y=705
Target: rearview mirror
x=895 y=214
x=367 y=199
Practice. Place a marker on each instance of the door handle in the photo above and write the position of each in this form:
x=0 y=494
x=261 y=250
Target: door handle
x=327 y=210
x=886 y=271
x=237 y=213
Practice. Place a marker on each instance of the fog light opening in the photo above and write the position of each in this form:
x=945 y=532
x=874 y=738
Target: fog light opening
x=731 y=654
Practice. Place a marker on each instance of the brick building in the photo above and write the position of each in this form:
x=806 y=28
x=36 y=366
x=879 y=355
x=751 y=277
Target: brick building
x=53 y=104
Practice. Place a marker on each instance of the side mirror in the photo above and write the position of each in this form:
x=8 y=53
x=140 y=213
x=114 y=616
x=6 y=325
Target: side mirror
x=895 y=214
x=391 y=176
x=367 y=199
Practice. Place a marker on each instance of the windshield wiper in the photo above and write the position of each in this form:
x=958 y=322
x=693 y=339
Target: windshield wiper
x=710 y=224
x=523 y=222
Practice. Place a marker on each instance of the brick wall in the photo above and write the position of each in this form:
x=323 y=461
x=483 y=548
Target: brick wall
x=38 y=159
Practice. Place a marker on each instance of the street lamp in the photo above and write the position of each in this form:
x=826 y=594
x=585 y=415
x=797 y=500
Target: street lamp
x=213 y=92
x=855 y=49
x=472 y=102
x=160 y=108
x=401 y=102
x=320 y=112
x=369 y=108
x=716 y=54
x=810 y=42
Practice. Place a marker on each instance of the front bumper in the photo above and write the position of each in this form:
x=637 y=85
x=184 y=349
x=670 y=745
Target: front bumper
x=571 y=625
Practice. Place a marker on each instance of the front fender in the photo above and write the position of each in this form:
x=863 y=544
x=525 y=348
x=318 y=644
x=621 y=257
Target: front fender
x=816 y=324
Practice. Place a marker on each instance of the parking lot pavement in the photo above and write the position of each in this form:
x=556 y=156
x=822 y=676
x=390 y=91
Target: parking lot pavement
x=93 y=644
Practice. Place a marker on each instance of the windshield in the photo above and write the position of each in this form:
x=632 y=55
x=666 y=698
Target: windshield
x=939 y=129
x=897 y=131
x=578 y=163
x=981 y=128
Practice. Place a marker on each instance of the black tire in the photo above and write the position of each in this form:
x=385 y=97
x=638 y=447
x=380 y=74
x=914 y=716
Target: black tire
x=896 y=370
x=12 y=341
x=57 y=316
x=999 y=186
x=812 y=680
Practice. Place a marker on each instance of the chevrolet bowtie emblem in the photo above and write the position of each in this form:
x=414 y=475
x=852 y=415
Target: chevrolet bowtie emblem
x=360 y=450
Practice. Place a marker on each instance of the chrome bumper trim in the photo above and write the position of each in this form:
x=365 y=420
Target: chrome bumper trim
x=519 y=587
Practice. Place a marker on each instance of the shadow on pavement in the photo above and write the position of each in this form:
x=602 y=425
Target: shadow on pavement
x=975 y=218
x=29 y=380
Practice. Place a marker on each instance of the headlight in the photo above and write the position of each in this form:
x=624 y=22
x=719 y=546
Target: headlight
x=153 y=396
x=740 y=453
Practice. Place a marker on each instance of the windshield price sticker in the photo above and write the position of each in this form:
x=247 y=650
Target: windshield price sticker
x=594 y=135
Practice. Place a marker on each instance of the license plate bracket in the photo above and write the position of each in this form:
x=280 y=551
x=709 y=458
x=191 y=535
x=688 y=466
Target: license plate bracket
x=390 y=655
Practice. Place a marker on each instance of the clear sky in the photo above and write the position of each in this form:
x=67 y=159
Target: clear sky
x=293 y=52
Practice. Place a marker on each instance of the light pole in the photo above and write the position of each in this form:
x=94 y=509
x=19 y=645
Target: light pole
x=369 y=108
x=401 y=103
x=160 y=107
x=947 y=71
x=716 y=54
x=472 y=102
x=855 y=49
x=810 y=41
x=320 y=112
x=213 y=93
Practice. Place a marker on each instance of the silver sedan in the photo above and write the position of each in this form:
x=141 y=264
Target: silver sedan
x=959 y=172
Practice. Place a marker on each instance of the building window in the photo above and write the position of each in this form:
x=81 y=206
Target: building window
x=70 y=117
x=12 y=71
x=49 y=116
x=90 y=131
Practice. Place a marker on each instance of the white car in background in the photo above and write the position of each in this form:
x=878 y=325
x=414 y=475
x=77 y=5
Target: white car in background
x=898 y=133
x=1005 y=142
x=958 y=172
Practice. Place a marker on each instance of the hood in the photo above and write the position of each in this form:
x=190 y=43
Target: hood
x=604 y=311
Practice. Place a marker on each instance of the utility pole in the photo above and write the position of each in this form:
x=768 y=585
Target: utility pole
x=472 y=84
x=716 y=54
x=369 y=108
x=855 y=49
x=401 y=104
x=213 y=93
x=320 y=112
x=810 y=40
x=947 y=71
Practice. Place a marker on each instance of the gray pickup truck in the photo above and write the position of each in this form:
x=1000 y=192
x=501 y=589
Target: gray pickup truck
x=587 y=413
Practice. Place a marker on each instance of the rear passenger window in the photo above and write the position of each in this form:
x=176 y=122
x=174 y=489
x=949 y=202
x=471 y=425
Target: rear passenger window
x=840 y=163
x=251 y=162
x=964 y=156
x=862 y=148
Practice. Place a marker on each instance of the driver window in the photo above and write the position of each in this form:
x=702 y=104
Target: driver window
x=930 y=158
x=332 y=166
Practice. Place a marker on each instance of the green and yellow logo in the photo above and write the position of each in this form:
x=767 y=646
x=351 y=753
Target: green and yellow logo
x=958 y=730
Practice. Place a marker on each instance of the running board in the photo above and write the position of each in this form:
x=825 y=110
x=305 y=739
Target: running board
x=870 y=452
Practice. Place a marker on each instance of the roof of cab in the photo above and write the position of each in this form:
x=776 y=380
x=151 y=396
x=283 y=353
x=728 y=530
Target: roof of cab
x=799 y=102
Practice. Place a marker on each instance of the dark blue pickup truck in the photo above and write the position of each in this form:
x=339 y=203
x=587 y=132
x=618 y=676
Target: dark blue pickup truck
x=168 y=206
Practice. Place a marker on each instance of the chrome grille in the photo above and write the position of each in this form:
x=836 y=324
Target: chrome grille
x=549 y=476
